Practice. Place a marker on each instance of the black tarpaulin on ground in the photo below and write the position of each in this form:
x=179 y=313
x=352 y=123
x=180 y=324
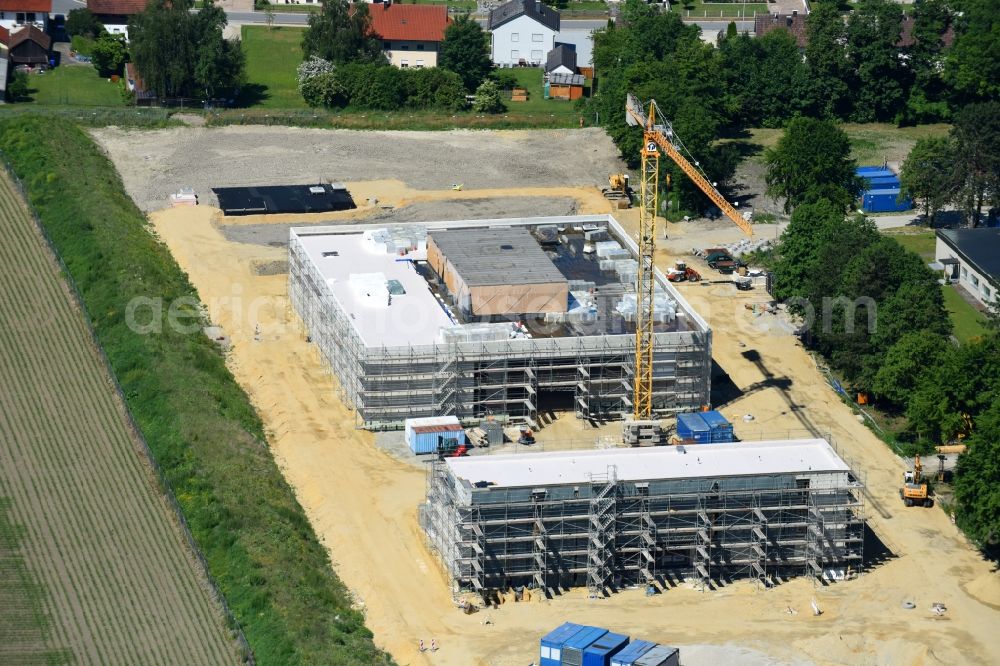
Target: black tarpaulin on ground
x=283 y=199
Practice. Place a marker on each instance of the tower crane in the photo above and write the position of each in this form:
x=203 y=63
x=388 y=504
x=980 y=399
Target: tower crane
x=658 y=135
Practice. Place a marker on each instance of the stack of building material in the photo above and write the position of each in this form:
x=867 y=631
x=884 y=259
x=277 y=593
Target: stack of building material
x=184 y=197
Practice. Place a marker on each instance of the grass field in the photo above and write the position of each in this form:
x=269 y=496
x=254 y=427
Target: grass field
x=78 y=85
x=207 y=438
x=92 y=568
x=272 y=58
x=530 y=78
x=870 y=143
x=968 y=322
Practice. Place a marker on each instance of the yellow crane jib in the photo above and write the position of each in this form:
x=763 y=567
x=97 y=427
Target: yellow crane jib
x=660 y=132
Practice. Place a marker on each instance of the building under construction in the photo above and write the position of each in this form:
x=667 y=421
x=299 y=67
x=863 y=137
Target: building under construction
x=616 y=517
x=501 y=317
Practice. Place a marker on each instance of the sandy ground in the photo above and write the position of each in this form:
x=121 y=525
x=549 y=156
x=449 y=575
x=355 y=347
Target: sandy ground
x=363 y=501
x=156 y=163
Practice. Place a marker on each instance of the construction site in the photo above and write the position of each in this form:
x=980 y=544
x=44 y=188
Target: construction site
x=578 y=527
x=491 y=317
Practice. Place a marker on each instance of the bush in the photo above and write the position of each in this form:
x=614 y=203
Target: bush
x=17 y=87
x=505 y=78
x=381 y=87
x=313 y=66
x=488 y=98
x=109 y=54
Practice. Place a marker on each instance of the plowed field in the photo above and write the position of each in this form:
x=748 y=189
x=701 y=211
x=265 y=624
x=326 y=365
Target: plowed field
x=93 y=568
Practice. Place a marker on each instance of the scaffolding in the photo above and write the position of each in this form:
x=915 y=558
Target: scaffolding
x=611 y=533
x=513 y=377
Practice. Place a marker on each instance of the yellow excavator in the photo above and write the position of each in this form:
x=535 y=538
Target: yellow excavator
x=914 y=490
x=618 y=190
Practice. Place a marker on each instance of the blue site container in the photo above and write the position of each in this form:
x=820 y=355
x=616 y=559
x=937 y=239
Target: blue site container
x=661 y=655
x=722 y=429
x=691 y=427
x=552 y=643
x=572 y=650
x=632 y=651
x=599 y=653
x=883 y=182
x=884 y=201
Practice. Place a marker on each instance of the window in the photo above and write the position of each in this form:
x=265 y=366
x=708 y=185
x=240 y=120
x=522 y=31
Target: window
x=420 y=47
x=986 y=292
x=420 y=64
x=405 y=47
x=965 y=273
x=536 y=37
x=386 y=45
x=31 y=17
x=515 y=37
x=975 y=281
x=20 y=17
x=536 y=56
x=404 y=63
x=331 y=253
x=515 y=54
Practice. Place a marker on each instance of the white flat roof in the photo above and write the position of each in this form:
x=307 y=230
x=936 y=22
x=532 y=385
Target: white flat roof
x=413 y=318
x=649 y=464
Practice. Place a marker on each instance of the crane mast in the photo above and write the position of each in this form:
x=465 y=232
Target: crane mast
x=658 y=135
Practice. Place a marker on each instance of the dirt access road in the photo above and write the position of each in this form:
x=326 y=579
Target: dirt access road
x=363 y=503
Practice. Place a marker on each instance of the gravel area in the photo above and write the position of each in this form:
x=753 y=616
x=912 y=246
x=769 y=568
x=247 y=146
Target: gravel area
x=153 y=164
x=276 y=234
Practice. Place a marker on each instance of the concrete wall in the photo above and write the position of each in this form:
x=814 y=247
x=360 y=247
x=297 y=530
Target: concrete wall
x=531 y=41
x=974 y=282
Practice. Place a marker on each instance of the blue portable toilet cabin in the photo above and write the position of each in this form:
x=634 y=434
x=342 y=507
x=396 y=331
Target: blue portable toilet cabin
x=599 y=652
x=722 y=429
x=691 y=427
x=661 y=655
x=552 y=642
x=632 y=651
x=572 y=650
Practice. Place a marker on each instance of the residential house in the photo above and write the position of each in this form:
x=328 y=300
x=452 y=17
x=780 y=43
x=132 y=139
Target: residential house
x=29 y=46
x=794 y=23
x=17 y=13
x=972 y=258
x=411 y=34
x=115 y=14
x=523 y=32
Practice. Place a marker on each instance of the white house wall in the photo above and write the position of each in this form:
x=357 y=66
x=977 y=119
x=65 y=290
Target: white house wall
x=523 y=38
x=972 y=281
x=10 y=20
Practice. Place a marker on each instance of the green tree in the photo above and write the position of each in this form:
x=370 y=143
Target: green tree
x=109 y=54
x=829 y=69
x=83 y=23
x=800 y=246
x=182 y=53
x=928 y=99
x=341 y=33
x=976 y=135
x=908 y=364
x=881 y=78
x=766 y=79
x=465 y=51
x=977 y=481
x=928 y=174
x=17 y=87
x=488 y=99
x=811 y=161
x=972 y=64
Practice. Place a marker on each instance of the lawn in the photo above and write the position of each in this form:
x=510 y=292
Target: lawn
x=921 y=242
x=871 y=143
x=530 y=78
x=968 y=322
x=698 y=9
x=78 y=85
x=272 y=57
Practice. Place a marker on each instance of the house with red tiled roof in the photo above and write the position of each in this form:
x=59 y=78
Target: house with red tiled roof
x=18 y=13
x=115 y=14
x=794 y=23
x=411 y=34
